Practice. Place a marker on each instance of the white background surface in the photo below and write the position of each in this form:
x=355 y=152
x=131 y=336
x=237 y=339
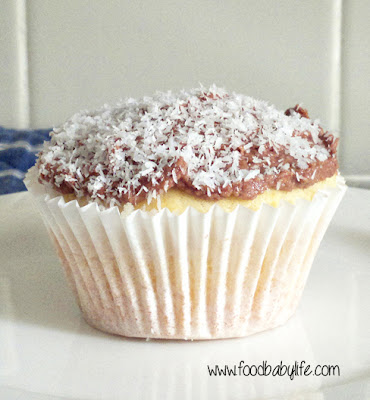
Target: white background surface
x=57 y=57
x=48 y=352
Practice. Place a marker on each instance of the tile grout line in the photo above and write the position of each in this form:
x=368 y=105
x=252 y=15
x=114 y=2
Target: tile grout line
x=23 y=71
x=336 y=67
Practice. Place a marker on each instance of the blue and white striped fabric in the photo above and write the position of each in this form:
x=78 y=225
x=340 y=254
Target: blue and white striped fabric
x=18 y=151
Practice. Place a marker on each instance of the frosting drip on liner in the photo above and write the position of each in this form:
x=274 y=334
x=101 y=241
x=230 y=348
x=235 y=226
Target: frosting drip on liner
x=206 y=141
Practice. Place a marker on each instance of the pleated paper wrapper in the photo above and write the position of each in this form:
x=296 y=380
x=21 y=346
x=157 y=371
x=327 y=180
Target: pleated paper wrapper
x=190 y=276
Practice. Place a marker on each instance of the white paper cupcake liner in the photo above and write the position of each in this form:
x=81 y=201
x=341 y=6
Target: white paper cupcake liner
x=189 y=276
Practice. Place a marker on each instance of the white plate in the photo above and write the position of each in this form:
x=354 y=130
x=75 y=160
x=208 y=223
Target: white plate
x=47 y=351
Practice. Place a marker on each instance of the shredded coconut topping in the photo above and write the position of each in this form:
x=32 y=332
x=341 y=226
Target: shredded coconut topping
x=205 y=139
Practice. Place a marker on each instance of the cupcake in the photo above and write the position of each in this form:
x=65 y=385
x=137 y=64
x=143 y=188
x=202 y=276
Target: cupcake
x=194 y=215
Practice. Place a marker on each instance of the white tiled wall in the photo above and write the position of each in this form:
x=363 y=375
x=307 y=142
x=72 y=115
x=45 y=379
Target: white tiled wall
x=356 y=88
x=81 y=53
x=9 y=112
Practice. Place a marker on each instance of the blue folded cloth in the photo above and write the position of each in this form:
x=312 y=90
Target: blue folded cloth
x=18 y=152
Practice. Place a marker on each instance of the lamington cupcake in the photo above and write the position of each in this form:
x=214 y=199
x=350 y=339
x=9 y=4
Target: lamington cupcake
x=194 y=215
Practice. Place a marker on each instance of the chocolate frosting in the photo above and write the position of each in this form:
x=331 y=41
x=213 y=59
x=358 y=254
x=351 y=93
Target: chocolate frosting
x=206 y=142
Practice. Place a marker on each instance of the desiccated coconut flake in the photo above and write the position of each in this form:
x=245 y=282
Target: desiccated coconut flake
x=111 y=151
